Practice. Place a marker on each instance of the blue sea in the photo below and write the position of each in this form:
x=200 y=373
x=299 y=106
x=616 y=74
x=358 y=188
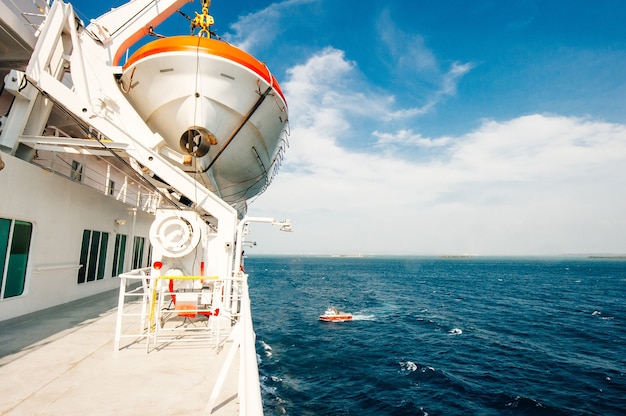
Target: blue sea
x=441 y=336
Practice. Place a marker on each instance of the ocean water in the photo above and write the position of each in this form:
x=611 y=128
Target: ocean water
x=441 y=336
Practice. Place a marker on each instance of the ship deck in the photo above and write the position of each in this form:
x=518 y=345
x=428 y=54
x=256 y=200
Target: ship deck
x=62 y=361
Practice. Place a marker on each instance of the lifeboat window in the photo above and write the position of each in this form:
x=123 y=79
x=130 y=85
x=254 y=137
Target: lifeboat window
x=93 y=256
x=119 y=254
x=15 y=238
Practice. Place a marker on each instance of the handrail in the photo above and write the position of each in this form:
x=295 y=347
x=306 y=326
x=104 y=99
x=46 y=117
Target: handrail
x=136 y=195
x=57 y=267
x=249 y=385
x=144 y=275
x=135 y=273
x=243 y=338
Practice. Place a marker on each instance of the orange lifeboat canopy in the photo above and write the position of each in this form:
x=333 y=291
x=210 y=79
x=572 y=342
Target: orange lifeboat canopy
x=199 y=45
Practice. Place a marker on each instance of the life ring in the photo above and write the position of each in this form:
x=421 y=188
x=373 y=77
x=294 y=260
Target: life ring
x=175 y=234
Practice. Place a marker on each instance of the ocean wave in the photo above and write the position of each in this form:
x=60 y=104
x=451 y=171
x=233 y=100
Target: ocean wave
x=408 y=366
x=411 y=367
x=527 y=405
x=520 y=402
x=271 y=399
x=363 y=317
x=601 y=316
x=266 y=348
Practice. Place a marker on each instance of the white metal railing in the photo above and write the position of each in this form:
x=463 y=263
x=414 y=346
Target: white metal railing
x=176 y=315
x=33 y=12
x=243 y=340
x=140 y=287
x=103 y=176
x=249 y=385
x=137 y=293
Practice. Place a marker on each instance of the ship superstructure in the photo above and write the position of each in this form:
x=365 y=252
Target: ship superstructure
x=139 y=169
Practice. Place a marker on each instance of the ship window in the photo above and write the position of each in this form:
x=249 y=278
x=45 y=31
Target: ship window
x=118 y=255
x=111 y=187
x=93 y=255
x=104 y=242
x=149 y=257
x=138 y=252
x=77 y=171
x=15 y=238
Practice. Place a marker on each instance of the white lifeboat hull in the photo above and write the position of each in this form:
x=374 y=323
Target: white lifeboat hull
x=220 y=111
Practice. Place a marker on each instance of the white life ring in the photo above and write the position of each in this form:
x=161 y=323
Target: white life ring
x=175 y=235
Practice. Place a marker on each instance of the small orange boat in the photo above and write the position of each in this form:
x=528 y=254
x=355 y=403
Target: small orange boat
x=334 y=315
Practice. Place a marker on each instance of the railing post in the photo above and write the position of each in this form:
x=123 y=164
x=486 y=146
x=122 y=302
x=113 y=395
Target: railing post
x=120 y=313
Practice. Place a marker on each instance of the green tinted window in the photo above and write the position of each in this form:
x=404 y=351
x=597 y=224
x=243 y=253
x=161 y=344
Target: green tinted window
x=93 y=255
x=14 y=250
x=118 y=255
x=84 y=253
x=138 y=252
x=5 y=228
x=102 y=255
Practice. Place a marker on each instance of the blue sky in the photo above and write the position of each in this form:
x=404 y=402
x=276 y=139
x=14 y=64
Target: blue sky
x=446 y=127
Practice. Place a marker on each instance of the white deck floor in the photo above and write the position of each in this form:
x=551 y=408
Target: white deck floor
x=62 y=362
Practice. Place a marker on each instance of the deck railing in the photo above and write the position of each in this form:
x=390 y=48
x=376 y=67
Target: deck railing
x=138 y=287
x=167 y=315
x=249 y=383
x=98 y=173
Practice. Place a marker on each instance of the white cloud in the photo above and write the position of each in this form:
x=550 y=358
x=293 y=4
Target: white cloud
x=408 y=51
x=540 y=147
x=536 y=184
x=407 y=137
x=412 y=61
x=261 y=28
x=451 y=78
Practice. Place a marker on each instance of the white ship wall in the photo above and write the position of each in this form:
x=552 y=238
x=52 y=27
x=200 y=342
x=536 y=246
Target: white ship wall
x=60 y=210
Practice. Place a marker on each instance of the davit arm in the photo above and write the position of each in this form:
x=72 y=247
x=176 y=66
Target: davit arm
x=120 y=28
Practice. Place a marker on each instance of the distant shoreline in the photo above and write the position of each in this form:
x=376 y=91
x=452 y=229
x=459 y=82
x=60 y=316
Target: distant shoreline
x=447 y=256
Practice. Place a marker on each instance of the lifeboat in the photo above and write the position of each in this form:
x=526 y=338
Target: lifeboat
x=333 y=315
x=221 y=112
